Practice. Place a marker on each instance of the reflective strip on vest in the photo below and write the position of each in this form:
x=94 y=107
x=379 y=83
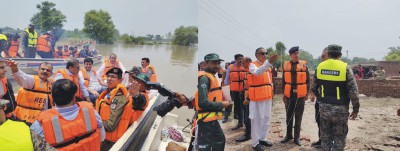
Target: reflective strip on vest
x=86 y=117
x=338 y=93
x=57 y=129
x=322 y=91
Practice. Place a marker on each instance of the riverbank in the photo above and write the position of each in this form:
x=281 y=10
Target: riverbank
x=375 y=128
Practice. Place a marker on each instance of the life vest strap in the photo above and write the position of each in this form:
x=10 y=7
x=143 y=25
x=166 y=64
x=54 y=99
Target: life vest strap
x=260 y=85
x=75 y=140
x=37 y=91
x=215 y=89
x=29 y=107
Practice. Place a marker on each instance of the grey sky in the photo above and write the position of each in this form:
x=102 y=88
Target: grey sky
x=364 y=27
x=139 y=17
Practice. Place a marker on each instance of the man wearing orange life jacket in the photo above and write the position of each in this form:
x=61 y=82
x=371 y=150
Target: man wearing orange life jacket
x=6 y=90
x=247 y=136
x=109 y=63
x=65 y=53
x=34 y=94
x=209 y=105
x=58 y=52
x=148 y=69
x=296 y=79
x=70 y=125
x=234 y=78
x=72 y=72
x=260 y=94
x=115 y=108
x=92 y=83
x=139 y=94
x=13 y=47
x=43 y=46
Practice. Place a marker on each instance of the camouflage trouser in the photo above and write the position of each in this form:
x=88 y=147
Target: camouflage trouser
x=334 y=127
x=210 y=136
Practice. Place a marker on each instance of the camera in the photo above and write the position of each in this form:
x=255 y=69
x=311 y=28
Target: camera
x=172 y=100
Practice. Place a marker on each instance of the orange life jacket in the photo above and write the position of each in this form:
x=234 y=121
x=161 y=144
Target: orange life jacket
x=103 y=106
x=301 y=79
x=76 y=55
x=236 y=77
x=153 y=77
x=137 y=113
x=214 y=95
x=108 y=66
x=42 y=44
x=13 y=50
x=65 y=54
x=86 y=76
x=79 y=134
x=73 y=78
x=31 y=102
x=260 y=87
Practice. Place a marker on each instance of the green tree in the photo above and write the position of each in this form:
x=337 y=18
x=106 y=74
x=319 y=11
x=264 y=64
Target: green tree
x=280 y=50
x=48 y=17
x=99 y=26
x=185 y=35
x=306 y=56
x=158 y=38
x=394 y=54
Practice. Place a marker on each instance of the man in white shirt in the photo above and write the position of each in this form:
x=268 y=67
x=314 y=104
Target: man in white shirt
x=260 y=95
x=109 y=63
x=92 y=83
x=34 y=96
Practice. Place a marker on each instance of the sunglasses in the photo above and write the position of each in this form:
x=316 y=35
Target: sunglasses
x=263 y=53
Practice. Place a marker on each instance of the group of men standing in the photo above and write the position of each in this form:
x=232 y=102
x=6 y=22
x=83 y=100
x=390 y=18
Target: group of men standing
x=77 y=110
x=251 y=87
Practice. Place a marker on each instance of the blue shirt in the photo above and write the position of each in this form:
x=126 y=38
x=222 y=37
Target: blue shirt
x=69 y=113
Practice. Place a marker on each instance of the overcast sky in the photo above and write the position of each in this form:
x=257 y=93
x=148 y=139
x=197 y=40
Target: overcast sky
x=129 y=16
x=365 y=28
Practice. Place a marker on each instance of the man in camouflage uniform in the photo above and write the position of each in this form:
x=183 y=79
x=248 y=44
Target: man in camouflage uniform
x=337 y=88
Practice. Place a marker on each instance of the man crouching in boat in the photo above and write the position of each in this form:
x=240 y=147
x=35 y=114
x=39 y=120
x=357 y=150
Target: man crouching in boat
x=115 y=108
x=34 y=96
x=70 y=125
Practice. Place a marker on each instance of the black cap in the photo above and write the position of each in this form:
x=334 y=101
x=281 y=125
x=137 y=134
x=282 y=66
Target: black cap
x=115 y=70
x=31 y=26
x=16 y=36
x=294 y=49
x=334 y=48
x=212 y=57
x=135 y=70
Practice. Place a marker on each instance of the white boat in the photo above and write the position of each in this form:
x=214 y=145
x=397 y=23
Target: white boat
x=145 y=133
x=30 y=65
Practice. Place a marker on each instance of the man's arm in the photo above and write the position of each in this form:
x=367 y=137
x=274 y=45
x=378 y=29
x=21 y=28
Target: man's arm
x=39 y=143
x=226 y=80
x=100 y=71
x=353 y=90
x=315 y=86
x=204 y=103
x=83 y=89
x=23 y=79
x=111 y=124
x=258 y=71
x=100 y=125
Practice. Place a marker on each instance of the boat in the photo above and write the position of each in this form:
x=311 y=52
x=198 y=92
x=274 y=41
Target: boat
x=30 y=65
x=145 y=133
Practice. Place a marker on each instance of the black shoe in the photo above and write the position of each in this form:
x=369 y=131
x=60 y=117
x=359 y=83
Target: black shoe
x=316 y=144
x=286 y=139
x=265 y=143
x=297 y=141
x=225 y=119
x=259 y=147
x=243 y=138
x=239 y=125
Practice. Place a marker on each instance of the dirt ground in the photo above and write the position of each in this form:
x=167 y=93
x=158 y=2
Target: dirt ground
x=377 y=127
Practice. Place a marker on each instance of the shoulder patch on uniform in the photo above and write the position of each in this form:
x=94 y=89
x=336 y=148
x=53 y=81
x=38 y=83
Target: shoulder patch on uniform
x=204 y=86
x=330 y=72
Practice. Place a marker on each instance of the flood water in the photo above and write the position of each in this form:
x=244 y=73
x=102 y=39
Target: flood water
x=176 y=67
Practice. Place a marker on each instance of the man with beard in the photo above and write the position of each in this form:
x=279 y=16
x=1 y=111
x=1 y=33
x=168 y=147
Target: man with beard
x=209 y=107
x=34 y=94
